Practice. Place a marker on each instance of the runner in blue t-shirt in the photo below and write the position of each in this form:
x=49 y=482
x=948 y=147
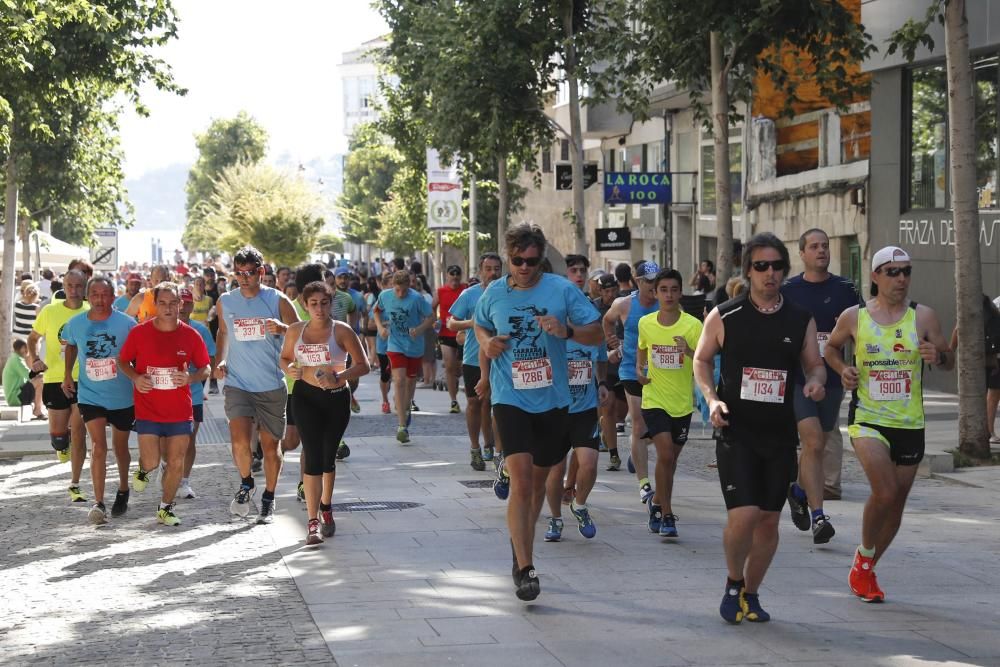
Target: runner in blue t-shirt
x=382 y=348
x=523 y=322
x=478 y=415
x=587 y=365
x=197 y=391
x=402 y=316
x=825 y=296
x=104 y=394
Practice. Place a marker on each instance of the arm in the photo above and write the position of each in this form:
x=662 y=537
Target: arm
x=641 y=359
x=710 y=344
x=142 y=382
x=424 y=325
x=221 y=341
x=380 y=324
x=459 y=325
x=349 y=341
x=34 y=363
x=812 y=364
x=934 y=349
x=287 y=359
x=610 y=322
x=134 y=304
x=286 y=311
x=70 y=361
x=483 y=386
x=842 y=334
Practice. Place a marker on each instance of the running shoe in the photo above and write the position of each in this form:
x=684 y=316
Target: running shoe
x=527 y=583
x=646 y=493
x=185 y=491
x=385 y=408
x=257 y=464
x=822 y=530
x=413 y=406
x=554 y=532
x=213 y=386
x=501 y=487
x=76 y=495
x=120 y=505
x=454 y=409
x=630 y=465
x=619 y=427
x=300 y=492
x=655 y=518
x=487 y=452
x=582 y=516
x=409 y=417
x=477 y=462
x=63 y=455
x=733 y=606
x=329 y=526
x=402 y=435
x=752 y=611
x=312 y=533
x=668 y=526
x=266 y=514
x=862 y=579
x=98 y=514
x=355 y=406
x=343 y=451
x=240 y=505
x=616 y=463
x=166 y=516
x=799 y=508
x=140 y=478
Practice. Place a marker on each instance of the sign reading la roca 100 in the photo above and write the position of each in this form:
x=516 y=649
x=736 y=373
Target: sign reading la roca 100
x=624 y=187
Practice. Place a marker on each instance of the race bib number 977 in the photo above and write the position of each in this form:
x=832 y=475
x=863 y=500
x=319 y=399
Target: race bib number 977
x=581 y=373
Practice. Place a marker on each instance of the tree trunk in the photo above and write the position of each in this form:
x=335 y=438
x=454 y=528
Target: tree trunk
x=25 y=246
x=973 y=436
x=720 y=134
x=576 y=131
x=9 y=249
x=473 y=231
x=503 y=195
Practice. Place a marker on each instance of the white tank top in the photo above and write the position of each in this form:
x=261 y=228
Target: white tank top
x=320 y=354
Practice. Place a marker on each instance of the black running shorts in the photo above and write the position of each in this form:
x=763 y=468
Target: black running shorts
x=544 y=435
x=755 y=469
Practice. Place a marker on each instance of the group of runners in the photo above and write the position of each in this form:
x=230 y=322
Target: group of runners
x=550 y=364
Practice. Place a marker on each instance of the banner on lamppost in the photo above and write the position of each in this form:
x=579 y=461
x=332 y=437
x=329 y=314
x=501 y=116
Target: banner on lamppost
x=444 y=194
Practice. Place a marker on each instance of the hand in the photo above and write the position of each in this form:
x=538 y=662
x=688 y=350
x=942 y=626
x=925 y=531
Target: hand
x=275 y=327
x=718 y=411
x=613 y=343
x=294 y=372
x=929 y=353
x=68 y=388
x=39 y=366
x=180 y=377
x=220 y=371
x=143 y=384
x=617 y=354
x=603 y=396
x=681 y=344
x=551 y=325
x=483 y=389
x=460 y=337
x=383 y=333
x=849 y=378
x=814 y=390
x=329 y=379
x=496 y=346
x=643 y=379
x=412 y=332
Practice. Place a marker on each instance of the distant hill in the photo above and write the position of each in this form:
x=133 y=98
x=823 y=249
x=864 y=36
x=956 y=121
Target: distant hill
x=159 y=197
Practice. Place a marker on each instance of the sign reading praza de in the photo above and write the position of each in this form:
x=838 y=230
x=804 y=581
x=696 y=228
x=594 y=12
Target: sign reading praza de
x=625 y=187
x=444 y=194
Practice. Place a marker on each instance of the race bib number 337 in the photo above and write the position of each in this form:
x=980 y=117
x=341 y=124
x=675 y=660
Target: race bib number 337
x=532 y=373
x=763 y=385
x=248 y=328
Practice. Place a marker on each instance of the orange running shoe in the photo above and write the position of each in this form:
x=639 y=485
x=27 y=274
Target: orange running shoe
x=862 y=580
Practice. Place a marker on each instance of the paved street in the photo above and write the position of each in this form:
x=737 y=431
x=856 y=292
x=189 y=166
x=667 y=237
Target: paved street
x=430 y=585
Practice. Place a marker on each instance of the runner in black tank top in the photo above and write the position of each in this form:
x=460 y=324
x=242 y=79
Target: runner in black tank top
x=764 y=341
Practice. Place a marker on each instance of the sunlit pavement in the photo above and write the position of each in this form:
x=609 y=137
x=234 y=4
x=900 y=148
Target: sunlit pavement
x=431 y=585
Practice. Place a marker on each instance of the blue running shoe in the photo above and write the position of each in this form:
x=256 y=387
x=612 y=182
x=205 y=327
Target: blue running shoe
x=655 y=518
x=631 y=466
x=501 y=487
x=668 y=527
x=487 y=452
x=752 y=610
x=582 y=515
x=554 y=533
x=733 y=607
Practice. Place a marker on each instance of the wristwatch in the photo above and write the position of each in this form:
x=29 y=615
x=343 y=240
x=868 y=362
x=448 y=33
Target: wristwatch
x=569 y=332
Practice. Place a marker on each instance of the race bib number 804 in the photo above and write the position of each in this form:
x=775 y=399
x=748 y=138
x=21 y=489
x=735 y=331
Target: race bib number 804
x=532 y=373
x=763 y=385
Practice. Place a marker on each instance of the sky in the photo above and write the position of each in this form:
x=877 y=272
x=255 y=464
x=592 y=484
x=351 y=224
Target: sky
x=276 y=59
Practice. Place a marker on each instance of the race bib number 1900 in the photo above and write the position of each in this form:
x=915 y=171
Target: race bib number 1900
x=763 y=385
x=532 y=373
x=248 y=328
x=889 y=385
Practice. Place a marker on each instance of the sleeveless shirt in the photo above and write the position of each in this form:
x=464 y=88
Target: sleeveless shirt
x=630 y=342
x=252 y=353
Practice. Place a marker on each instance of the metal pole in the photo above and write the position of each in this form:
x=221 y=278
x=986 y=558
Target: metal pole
x=438 y=260
x=473 y=235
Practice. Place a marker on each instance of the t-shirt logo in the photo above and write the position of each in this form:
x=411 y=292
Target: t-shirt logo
x=524 y=331
x=101 y=346
x=899 y=333
x=398 y=321
x=872 y=348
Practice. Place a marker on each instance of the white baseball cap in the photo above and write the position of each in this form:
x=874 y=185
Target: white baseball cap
x=890 y=253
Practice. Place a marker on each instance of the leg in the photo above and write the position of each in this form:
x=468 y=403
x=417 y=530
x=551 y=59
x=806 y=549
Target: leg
x=473 y=419
x=175 y=447
x=272 y=459
x=149 y=451
x=450 y=357
x=878 y=519
x=738 y=538
x=411 y=390
x=833 y=461
x=37 y=382
x=811 y=462
x=99 y=455
x=191 y=452
x=586 y=476
x=573 y=471
x=487 y=427
x=119 y=440
x=765 y=543
x=640 y=456
x=78 y=443
x=992 y=400
x=401 y=394
x=666 y=466
x=904 y=482
x=554 y=488
x=527 y=491
x=240 y=429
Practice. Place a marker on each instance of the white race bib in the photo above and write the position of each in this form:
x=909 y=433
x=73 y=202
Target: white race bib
x=667 y=357
x=248 y=328
x=161 y=377
x=99 y=370
x=822 y=337
x=312 y=354
x=763 y=385
x=532 y=373
x=580 y=373
x=889 y=385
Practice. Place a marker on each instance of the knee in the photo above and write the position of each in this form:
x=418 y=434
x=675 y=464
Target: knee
x=100 y=449
x=886 y=494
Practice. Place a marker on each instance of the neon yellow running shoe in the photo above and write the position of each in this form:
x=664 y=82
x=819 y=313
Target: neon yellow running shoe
x=63 y=455
x=140 y=479
x=166 y=516
x=76 y=495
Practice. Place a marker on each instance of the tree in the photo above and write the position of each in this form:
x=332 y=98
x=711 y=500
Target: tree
x=718 y=46
x=973 y=431
x=226 y=142
x=403 y=218
x=369 y=174
x=276 y=211
x=328 y=242
x=55 y=57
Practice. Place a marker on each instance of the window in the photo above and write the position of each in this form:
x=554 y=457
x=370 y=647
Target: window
x=564 y=150
x=708 y=178
x=609 y=160
x=546 y=160
x=985 y=70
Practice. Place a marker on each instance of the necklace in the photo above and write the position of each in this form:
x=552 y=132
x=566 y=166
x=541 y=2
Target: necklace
x=770 y=309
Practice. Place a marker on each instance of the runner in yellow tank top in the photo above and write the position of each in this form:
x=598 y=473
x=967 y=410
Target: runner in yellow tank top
x=892 y=339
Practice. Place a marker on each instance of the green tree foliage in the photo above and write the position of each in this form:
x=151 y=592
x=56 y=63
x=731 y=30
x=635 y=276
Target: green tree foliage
x=327 y=242
x=275 y=211
x=226 y=142
x=403 y=219
x=369 y=174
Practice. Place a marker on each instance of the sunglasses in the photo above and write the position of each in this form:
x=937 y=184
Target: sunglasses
x=894 y=271
x=762 y=266
x=454 y=273
x=530 y=261
x=245 y=274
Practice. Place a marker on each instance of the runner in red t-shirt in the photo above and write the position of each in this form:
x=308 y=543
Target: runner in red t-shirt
x=157 y=356
x=451 y=351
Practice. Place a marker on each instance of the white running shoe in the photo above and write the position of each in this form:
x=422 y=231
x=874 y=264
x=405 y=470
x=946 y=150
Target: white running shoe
x=185 y=491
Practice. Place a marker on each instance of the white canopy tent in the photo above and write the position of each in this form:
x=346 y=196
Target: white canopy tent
x=48 y=252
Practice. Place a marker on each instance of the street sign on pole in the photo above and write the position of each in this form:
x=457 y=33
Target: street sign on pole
x=104 y=255
x=444 y=194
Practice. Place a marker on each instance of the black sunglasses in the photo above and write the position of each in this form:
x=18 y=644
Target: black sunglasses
x=894 y=271
x=530 y=261
x=454 y=273
x=762 y=266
